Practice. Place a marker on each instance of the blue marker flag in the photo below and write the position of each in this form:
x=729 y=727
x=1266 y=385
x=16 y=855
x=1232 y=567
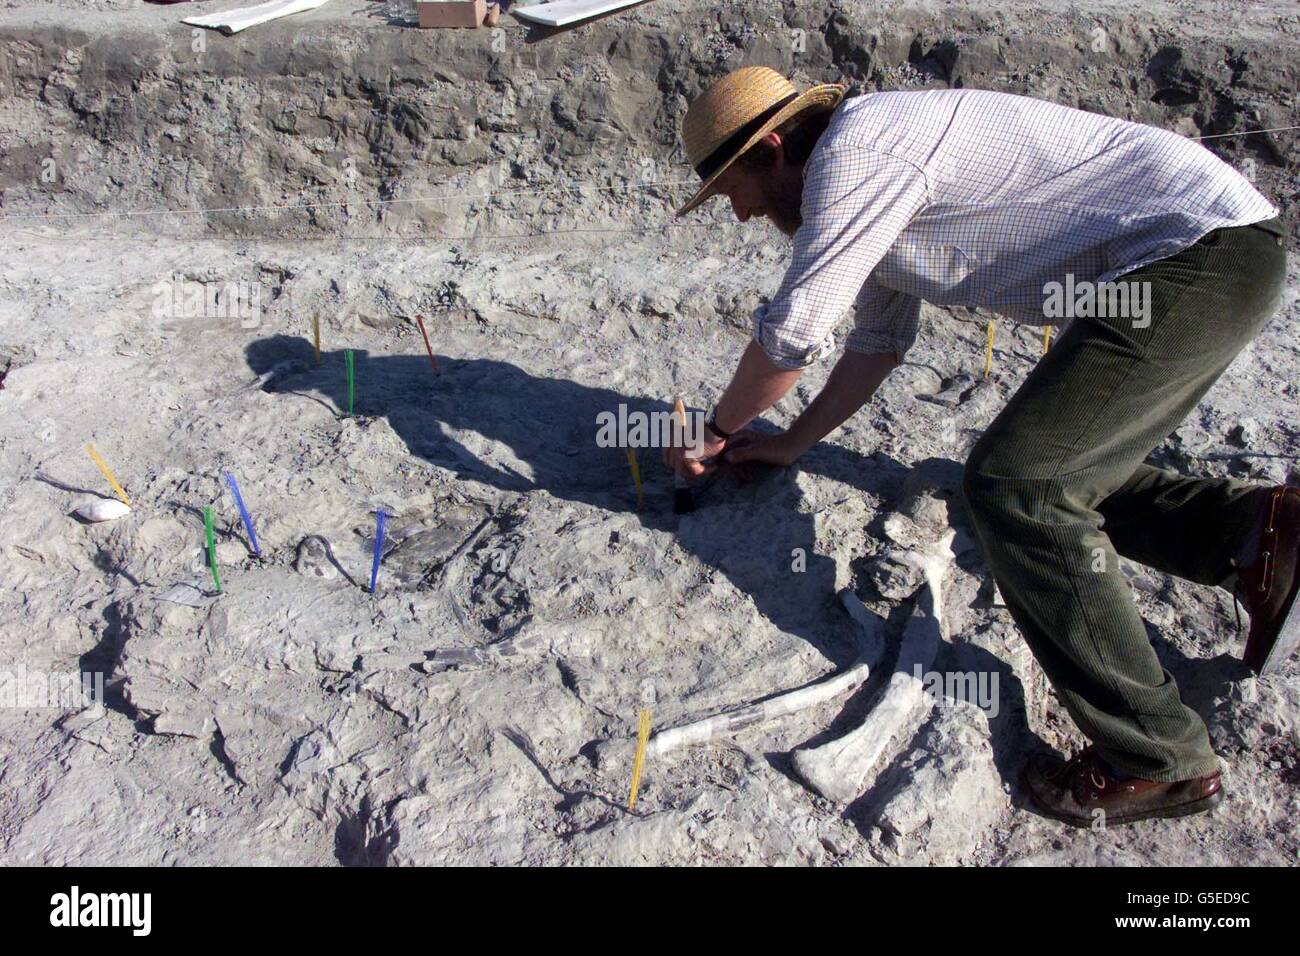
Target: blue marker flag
x=379 y=547
x=243 y=513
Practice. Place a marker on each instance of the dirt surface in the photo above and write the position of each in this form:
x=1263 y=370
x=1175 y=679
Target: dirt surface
x=516 y=189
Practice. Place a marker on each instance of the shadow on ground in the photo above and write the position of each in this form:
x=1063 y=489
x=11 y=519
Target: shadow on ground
x=549 y=426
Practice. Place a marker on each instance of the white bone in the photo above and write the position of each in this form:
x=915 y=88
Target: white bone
x=232 y=21
x=849 y=679
x=103 y=509
x=838 y=770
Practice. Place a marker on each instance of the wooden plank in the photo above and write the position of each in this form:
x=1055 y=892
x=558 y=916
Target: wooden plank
x=563 y=12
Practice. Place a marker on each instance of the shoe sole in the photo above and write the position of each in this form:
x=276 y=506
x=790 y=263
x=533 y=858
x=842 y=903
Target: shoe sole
x=1203 y=805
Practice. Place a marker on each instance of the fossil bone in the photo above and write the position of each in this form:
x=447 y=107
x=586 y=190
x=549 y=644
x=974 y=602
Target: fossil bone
x=838 y=770
x=232 y=21
x=790 y=702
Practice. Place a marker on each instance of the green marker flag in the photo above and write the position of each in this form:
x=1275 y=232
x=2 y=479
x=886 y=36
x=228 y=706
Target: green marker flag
x=347 y=358
x=212 y=547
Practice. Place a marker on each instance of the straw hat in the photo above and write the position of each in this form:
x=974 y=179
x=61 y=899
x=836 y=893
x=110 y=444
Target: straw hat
x=736 y=112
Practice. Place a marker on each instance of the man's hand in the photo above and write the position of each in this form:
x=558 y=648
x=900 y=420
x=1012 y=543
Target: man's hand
x=757 y=384
x=764 y=449
x=698 y=464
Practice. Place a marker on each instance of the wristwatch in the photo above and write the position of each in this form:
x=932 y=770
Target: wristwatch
x=711 y=423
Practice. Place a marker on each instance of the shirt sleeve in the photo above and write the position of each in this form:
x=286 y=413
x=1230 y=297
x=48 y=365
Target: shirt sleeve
x=856 y=202
x=885 y=320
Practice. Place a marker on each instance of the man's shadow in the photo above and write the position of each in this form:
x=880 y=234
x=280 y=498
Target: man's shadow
x=542 y=435
x=542 y=431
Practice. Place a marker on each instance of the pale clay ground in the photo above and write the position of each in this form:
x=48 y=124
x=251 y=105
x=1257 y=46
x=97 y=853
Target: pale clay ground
x=284 y=721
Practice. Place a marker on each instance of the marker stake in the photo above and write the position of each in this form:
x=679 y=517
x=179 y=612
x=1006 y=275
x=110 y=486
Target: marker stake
x=683 y=500
x=380 y=518
x=107 y=473
x=638 y=764
x=636 y=477
x=988 y=353
x=243 y=513
x=1047 y=338
x=427 y=347
x=350 y=363
x=212 y=547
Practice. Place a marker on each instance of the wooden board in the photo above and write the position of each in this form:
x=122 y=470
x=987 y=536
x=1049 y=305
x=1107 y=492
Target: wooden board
x=563 y=12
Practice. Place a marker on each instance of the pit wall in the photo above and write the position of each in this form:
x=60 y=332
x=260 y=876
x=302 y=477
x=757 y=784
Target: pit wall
x=365 y=126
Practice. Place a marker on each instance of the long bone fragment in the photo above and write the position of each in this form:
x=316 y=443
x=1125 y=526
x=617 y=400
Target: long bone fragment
x=232 y=21
x=838 y=770
x=803 y=698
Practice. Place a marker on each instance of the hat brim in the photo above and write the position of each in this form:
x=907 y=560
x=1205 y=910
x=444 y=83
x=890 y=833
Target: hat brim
x=824 y=96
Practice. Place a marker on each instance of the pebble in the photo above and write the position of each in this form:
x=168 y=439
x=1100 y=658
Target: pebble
x=313 y=559
x=103 y=509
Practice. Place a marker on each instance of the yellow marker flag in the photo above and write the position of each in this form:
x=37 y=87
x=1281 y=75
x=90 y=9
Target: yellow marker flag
x=107 y=473
x=642 y=738
x=636 y=477
x=988 y=353
x=1047 y=338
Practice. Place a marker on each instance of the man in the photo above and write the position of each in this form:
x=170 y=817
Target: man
x=977 y=198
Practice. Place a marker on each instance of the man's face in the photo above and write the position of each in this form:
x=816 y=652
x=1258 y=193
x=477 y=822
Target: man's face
x=773 y=191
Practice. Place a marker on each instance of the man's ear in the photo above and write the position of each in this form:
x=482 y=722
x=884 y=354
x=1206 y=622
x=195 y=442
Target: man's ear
x=774 y=141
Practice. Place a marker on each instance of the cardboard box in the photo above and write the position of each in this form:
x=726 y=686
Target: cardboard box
x=451 y=13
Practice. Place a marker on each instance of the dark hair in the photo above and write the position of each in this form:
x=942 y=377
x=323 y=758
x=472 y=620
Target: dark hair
x=799 y=136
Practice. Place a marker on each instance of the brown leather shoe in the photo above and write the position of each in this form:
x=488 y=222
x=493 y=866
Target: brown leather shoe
x=1074 y=790
x=1268 y=587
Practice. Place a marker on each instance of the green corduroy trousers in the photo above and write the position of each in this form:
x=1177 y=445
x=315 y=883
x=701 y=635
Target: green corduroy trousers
x=1057 y=488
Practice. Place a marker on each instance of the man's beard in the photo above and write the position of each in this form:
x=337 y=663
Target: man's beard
x=784 y=210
